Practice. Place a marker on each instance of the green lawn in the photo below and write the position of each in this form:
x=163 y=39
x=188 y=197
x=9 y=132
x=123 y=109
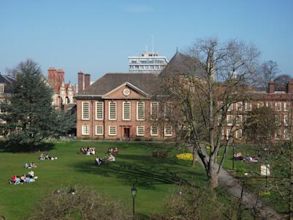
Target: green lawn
x=155 y=178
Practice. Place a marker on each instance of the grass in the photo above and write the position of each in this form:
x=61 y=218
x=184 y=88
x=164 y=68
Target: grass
x=155 y=178
x=267 y=189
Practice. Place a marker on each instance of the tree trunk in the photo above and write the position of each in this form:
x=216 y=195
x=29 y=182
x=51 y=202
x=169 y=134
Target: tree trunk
x=213 y=176
x=193 y=156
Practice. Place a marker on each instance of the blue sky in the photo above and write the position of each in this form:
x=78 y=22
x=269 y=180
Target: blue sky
x=97 y=36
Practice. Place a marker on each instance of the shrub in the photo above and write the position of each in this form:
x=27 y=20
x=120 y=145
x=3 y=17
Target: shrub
x=78 y=203
x=191 y=203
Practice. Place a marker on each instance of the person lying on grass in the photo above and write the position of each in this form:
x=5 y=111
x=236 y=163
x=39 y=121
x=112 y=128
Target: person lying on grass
x=108 y=158
x=30 y=165
x=45 y=156
x=26 y=178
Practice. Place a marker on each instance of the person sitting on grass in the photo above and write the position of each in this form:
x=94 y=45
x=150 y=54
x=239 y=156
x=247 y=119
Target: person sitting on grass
x=113 y=150
x=111 y=158
x=99 y=161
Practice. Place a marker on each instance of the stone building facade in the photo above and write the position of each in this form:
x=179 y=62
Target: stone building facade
x=63 y=92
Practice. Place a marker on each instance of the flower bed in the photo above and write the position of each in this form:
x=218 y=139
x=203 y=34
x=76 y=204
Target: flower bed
x=184 y=156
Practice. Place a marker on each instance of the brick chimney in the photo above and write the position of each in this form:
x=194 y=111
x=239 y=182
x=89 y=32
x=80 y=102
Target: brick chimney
x=290 y=86
x=80 y=81
x=271 y=88
x=59 y=78
x=51 y=76
x=87 y=80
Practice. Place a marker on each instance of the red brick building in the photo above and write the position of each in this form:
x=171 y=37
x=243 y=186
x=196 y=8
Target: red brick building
x=125 y=105
x=279 y=97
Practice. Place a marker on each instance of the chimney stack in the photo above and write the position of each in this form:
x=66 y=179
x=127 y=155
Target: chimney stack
x=80 y=81
x=290 y=86
x=87 y=80
x=271 y=87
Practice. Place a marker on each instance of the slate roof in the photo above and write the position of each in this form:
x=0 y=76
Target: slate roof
x=8 y=81
x=147 y=82
x=182 y=64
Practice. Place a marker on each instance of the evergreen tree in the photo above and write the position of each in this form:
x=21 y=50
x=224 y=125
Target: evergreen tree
x=29 y=114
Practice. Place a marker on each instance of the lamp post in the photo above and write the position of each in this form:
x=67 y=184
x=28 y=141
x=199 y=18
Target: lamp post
x=233 y=161
x=133 y=194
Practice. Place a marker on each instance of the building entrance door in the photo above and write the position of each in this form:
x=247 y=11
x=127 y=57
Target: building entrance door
x=127 y=133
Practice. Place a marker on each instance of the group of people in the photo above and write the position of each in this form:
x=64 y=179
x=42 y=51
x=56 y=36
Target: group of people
x=113 y=150
x=88 y=150
x=46 y=156
x=109 y=157
x=239 y=156
x=25 y=178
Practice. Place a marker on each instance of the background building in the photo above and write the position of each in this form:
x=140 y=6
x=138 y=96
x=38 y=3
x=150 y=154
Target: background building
x=148 y=62
x=6 y=82
x=63 y=92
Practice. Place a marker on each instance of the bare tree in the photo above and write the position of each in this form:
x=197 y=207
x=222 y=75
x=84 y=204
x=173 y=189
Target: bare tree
x=266 y=72
x=204 y=94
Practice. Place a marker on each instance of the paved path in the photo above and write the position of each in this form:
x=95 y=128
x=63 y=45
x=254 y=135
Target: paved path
x=249 y=200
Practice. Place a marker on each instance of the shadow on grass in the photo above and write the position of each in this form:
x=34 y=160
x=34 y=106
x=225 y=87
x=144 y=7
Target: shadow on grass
x=144 y=173
x=9 y=147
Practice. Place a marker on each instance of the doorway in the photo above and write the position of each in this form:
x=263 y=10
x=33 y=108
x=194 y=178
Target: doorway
x=127 y=133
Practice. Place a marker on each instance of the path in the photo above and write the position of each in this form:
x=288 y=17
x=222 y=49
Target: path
x=249 y=200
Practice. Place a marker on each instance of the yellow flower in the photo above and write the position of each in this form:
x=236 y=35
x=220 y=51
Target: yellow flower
x=184 y=156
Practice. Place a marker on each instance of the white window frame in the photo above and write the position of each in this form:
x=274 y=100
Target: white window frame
x=286 y=134
x=137 y=116
x=82 y=110
x=123 y=111
x=222 y=134
x=102 y=106
x=260 y=104
x=137 y=129
x=85 y=130
x=238 y=134
x=230 y=120
x=113 y=134
x=278 y=106
x=165 y=131
x=109 y=105
x=239 y=106
x=151 y=110
x=286 y=106
x=286 y=120
x=239 y=119
x=102 y=133
x=230 y=109
x=154 y=134
x=228 y=133
x=247 y=106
